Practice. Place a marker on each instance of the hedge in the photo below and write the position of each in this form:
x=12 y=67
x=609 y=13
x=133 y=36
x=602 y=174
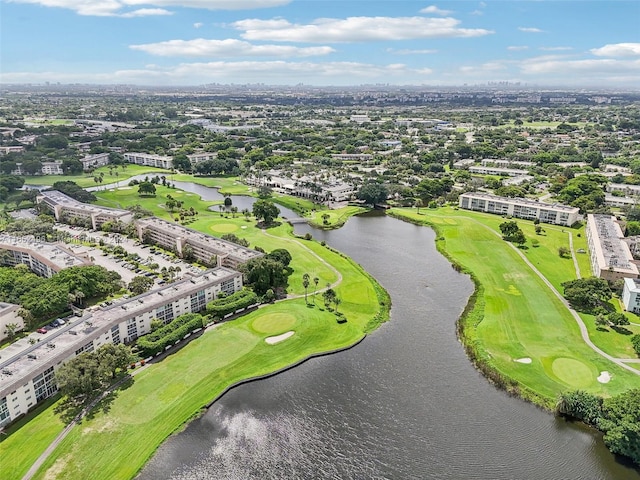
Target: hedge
x=161 y=338
x=236 y=301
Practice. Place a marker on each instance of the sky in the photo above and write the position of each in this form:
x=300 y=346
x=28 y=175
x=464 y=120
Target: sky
x=575 y=43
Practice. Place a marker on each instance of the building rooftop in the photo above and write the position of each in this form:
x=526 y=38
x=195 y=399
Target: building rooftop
x=239 y=252
x=50 y=253
x=523 y=201
x=18 y=363
x=54 y=197
x=616 y=253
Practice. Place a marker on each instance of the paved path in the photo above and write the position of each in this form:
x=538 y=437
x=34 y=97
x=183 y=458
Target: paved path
x=331 y=267
x=573 y=256
x=621 y=362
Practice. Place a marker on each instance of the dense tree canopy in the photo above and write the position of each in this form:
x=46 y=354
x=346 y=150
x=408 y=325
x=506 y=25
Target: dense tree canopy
x=265 y=273
x=265 y=210
x=74 y=191
x=585 y=294
x=372 y=193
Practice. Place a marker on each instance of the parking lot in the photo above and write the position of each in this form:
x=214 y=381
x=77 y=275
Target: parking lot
x=113 y=263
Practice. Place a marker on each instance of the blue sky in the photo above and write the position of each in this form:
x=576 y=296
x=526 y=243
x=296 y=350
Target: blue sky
x=321 y=42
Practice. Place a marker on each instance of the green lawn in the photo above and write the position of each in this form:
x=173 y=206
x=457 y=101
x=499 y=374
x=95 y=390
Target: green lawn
x=337 y=217
x=118 y=443
x=23 y=442
x=518 y=317
x=87 y=179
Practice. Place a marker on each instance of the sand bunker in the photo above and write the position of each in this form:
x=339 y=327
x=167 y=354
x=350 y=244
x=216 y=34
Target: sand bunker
x=523 y=360
x=279 y=338
x=604 y=377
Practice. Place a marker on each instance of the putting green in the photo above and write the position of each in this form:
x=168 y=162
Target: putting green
x=572 y=372
x=274 y=323
x=224 y=227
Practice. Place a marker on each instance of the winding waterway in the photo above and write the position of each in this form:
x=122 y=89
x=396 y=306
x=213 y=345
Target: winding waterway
x=405 y=403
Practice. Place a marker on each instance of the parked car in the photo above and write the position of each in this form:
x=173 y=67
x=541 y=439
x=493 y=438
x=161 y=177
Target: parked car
x=42 y=330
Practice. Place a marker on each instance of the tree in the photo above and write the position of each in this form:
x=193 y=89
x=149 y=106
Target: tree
x=146 y=188
x=328 y=296
x=113 y=358
x=140 y=284
x=315 y=282
x=10 y=329
x=564 y=252
x=418 y=204
x=585 y=294
x=265 y=210
x=635 y=341
x=620 y=422
x=372 y=193
x=617 y=319
x=281 y=255
x=264 y=273
x=305 y=284
x=511 y=232
x=233 y=238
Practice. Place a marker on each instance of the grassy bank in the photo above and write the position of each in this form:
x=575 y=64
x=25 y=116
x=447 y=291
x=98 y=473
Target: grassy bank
x=87 y=179
x=126 y=429
x=513 y=318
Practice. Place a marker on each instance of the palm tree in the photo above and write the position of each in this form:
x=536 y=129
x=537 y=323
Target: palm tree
x=419 y=203
x=336 y=302
x=305 y=284
x=315 y=281
x=10 y=329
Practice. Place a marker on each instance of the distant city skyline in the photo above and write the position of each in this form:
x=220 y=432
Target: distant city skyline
x=321 y=42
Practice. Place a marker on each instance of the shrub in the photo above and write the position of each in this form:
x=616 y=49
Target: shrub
x=161 y=338
x=229 y=304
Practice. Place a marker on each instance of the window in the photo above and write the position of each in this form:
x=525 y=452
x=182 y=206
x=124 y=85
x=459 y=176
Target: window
x=44 y=384
x=5 y=416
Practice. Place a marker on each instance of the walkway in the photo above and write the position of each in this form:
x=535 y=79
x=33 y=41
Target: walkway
x=621 y=362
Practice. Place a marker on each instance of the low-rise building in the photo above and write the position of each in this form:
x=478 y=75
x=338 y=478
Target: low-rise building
x=611 y=258
x=95 y=161
x=52 y=168
x=10 y=319
x=27 y=372
x=199 y=157
x=149 y=160
x=631 y=295
x=68 y=210
x=520 y=208
x=186 y=242
x=499 y=171
x=42 y=258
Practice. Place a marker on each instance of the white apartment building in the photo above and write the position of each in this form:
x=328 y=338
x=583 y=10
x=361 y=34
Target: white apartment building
x=67 y=209
x=499 y=171
x=27 y=371
x=203 y=247
x=631 y=295
x=52 y=168
x=149 y=160
x=95 y=161
x=520 y=208
x=611 y=258
x=44 y=259
x=364 y=157
x=196 y=158
x=9 y=315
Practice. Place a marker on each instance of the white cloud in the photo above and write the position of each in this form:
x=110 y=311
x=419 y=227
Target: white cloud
x=117 y=8
x=355 y=29
x=407 y=51
x=588 y=68
x=198 y=25
x=516 y=48
x=201 y=47
x=555 y=49
x=146 y=12
x=436 y=11
x=530 y=29
x=476 y=12
x=618 y=50
x=274 y=72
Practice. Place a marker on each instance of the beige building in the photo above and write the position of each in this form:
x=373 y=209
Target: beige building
x=9 y=316
x=44 y=259
x=611 y=258
x=27 y=371
x=66 y=210
x=203 y=247
x=149 y=160
x=520 y=208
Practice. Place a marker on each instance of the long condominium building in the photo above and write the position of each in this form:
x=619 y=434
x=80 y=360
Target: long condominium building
x=611 y=258
x=520 y=208
x=203 y=247
x=27 y=371
x=44 y=259
x=149 y=160
x=67 y=209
